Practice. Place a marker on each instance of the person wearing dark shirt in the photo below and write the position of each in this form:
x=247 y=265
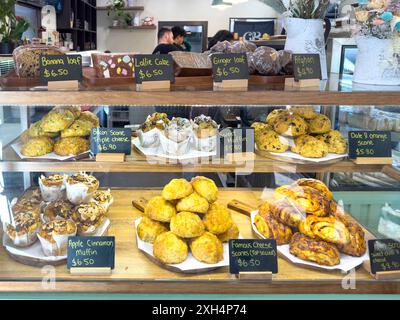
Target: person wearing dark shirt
x=165 y=42
x=180 y=38
x=221 y=35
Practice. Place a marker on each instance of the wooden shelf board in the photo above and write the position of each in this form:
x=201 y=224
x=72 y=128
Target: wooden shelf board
x=133 y=27
x=134 y=8
x=135 y=273
x=186 y=97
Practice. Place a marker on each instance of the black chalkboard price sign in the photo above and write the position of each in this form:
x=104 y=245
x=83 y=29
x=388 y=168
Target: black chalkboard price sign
x=370 y=144
x=111 y=140
x=235 y=140
x=230 y=66
x=253 y=256
x=153 y=67
x=91 y=252
x=384 y=255
x=60 y=68
x=306 y=66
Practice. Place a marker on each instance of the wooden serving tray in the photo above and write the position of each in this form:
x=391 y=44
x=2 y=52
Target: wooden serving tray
x=11 y=80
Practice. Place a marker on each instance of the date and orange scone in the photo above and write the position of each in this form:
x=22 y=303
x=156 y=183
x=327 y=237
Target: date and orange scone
x=88 y=218
x=54 y=235
x=52 y=187
x=81 y=188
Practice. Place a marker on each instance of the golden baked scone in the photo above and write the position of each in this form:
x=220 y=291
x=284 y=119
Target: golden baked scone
x=299 y=142
x=206 y=188
x=274 y=114
x=193 y=203
x=75 y=110
x=79 y=128
x=187 y=225
x=207 y=248
x=159 y=209
x=335 y=141
x=57 y=120
x=320 y=124
x=260 y=126
x=357 y=245
x=218 y=219
x=287 y=211
x=169 y=248
x=290 y=125
x=311 y=200
x=35 y=131
x=231 y=233
x=271 y=228
x=306 y=112
x=318 y=251
x=311 y=147
x=315 y=184
x=148 y=229
x=177 y=189
x=37 y=147
x=328 y=229
x=91 y=117
x=268 y=140
x=71 y=146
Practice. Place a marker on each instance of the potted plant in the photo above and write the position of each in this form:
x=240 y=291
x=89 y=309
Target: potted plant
x=377 y=33
x=119 y=15
x=303 y=21
x=11 y=27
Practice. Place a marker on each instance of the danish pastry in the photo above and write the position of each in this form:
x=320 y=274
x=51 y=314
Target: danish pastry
x=271 y=228
x=318 y=251
x=315 y=184
x=357 y=245
x=287 y=212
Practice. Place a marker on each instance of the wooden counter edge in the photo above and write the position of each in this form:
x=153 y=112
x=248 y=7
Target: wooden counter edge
x=204 y=287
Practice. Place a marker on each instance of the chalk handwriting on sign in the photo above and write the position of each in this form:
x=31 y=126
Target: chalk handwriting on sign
x=231 y=66
x=306 y=66
x=384 y=255
x=370 y=144
x=154 y=67
x=111 y=140
x=60 y=68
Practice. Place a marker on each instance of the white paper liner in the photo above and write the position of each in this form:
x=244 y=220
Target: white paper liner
x=107 y=205
x=292 y=155
x=190 y=263
x=52 y=193
x=174 y=148
x=192 y=153
x=24 y=240
x=208 y=144
x=50 y=156
x=58 y=248
x=150 y=138
x=78 y=193
x=346 y=262
x=100 y=230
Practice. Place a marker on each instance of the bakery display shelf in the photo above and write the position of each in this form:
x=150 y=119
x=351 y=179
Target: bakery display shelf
x=136 y=162
x=249 y=98
x=135 y=273
x=144 y=27
x=133 y=8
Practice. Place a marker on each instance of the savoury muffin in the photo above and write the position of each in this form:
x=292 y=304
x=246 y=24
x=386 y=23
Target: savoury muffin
x=35 y=130
x=177 y=189
x=320 y=124
x=314 y=148
x=71 y=146
x=232 y=233
x=218 y=219
x=335 y=141
x=37 y=147
x=206 y=188
x=91 y=117
x=207 y=248
x=169 y=248
x=148 y=229
x=290 y=125
x=275 y=114
x=306 y=112
x=270 y=141
x=79 y=128
x=57 y=120
x=159 y=209
x=193 y=203
x=187 y=225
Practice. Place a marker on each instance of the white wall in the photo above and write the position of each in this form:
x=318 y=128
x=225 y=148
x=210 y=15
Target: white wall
x=144 y=41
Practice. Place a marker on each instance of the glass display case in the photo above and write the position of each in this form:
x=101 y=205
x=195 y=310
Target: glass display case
x=320 y=182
